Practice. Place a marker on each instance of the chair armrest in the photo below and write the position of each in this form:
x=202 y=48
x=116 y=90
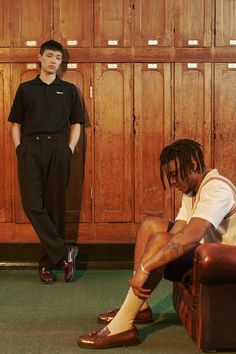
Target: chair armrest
x=215 y=263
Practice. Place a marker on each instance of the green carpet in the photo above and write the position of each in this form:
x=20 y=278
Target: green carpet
x=47 y=319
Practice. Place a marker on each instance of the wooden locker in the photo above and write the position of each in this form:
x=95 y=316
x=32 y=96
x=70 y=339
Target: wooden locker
x=225 y=23
x=73 y=23
x=32 y=22
x=192 y=106
x=152 y=107
x=5 y=21
x=5 y=146
x=225 y=120
x=112 y=23
x=193 y=23
x=154 y=23
x=79 y=202
x=113 y=143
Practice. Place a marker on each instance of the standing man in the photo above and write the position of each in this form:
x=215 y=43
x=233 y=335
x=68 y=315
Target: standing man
x=46 y=115
x=208 y=213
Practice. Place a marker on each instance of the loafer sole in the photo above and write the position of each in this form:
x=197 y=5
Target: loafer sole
x=102 y=339
x=47 y=282
x=109 y=345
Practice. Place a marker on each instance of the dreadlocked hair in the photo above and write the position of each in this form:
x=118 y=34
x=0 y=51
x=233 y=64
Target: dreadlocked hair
x=185 y=151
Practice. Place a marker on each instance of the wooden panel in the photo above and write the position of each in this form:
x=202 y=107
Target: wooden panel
x=193 y=21
x=225 y=120
x=225 y=23
x=73 y=22
x=101 y=233
x=5 y=146
x=97 y=233
x=20 y=73
x=113 y=143
x=79 y=202
x=152 y=133
x=112 y=23
x=193 y=106
x=5 y=20
x=32 y=22
x=153 y=23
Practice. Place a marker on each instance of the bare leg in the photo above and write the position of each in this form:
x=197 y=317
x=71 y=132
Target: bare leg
x=155 y=244
x=148 y=229
x=150 y=226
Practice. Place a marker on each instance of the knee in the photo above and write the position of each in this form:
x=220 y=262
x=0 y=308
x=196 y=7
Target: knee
x=154 y=224
x=30 y=207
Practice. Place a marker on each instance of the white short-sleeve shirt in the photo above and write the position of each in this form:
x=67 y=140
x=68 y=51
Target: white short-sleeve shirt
x=215 y=202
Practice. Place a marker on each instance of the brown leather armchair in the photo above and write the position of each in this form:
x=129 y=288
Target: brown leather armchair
x=206 y=301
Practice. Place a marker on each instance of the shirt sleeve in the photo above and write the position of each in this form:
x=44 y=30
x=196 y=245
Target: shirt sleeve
x=216 y=200
x=77 y=112
x=182 y=214
x=17 y=110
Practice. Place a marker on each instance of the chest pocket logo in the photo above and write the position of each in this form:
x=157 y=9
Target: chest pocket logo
x=60 y=93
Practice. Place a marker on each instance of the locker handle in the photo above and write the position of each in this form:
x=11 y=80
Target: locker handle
x=134 y=124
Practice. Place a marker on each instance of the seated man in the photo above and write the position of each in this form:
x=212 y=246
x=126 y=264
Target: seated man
x=207 y=213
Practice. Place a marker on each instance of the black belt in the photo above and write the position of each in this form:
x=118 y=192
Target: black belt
x=43 y=136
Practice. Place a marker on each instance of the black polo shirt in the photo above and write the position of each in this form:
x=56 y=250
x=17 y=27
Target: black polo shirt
x=43 y=108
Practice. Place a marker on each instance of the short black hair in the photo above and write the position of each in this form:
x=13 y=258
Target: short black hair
x=185 y=151
x=51 y=45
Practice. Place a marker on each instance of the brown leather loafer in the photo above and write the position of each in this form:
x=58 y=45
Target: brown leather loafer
x=46 y=275
x=69 y=264
x=143 y=316
x=100 y=339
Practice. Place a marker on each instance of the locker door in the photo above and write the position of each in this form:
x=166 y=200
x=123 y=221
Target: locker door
x=32 y=22
x=225 y=120
x=113 y=143
x=112 y=23
x=225 y=23
x=152 y=132
x=154 y=23
x=192 y=107
x=73 y=22
x=193 y=23
x=5 y=146
x=5 y=18
x=79 y=202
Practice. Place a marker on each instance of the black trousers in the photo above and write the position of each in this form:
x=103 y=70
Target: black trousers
x=43 y=170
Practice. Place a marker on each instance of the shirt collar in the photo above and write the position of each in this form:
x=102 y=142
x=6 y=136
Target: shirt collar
x=57 y=81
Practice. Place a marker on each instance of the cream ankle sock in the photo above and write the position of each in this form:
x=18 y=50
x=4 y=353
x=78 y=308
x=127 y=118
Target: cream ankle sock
x=145 y=304
x=123 y=321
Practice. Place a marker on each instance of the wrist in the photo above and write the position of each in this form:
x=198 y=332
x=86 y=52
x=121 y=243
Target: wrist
x=144 y=269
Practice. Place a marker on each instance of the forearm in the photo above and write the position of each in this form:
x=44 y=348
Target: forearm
x=175 y=248
x=182 y=242
x=16 y=134
x=74 y=136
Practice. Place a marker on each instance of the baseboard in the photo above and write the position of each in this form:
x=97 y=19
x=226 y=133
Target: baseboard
x=99 y=256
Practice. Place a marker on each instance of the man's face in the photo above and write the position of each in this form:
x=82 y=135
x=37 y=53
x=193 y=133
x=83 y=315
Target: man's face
x=50 y=61
x=186 y=185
